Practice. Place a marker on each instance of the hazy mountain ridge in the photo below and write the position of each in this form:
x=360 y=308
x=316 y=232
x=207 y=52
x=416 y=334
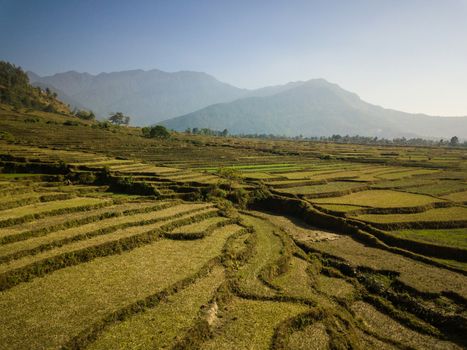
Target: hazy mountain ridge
x=148 y=96
x=317 y=108
x=189 y=99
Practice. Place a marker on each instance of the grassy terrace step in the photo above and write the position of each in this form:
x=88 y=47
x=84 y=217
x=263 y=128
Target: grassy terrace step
x=262 y=176
x=129 y=167
x=335 y=287
x=192 y=176
x=293 y=183
x=49 y=224
x=98 y=245
x=113 y=283
x=269 y=169
x=165 y=324
x=267 y=250
x=393 y=332
x=36 y=211
x=439 y=189
x=353 y=210
x=406 y=173
x=22 y=177
x=11 y=188
x=146 y=169
x=79 y=189
x=456 y=237
x=321 y=187
x=300 y=175
x=32 y=195
x=395 y=184
x=183 y=174
x=100 y=163
x=207 y=179
x=312 y=337
x=9 y=191
x=460 y=197
x=147 y=216
x=337 y=209
x=295 y=281
x=453 y=217
x=20 y=200
x=198 y=229
x=380 y=199
x=249 y=322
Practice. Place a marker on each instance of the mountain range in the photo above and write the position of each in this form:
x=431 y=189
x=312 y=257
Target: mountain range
x=147 y=96
x=187 y=99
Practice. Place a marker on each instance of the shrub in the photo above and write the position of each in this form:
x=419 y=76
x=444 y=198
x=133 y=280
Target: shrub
x=239 y=196
x=102 y=125
x=214 y=192
x=260 y=193
x=87 y=178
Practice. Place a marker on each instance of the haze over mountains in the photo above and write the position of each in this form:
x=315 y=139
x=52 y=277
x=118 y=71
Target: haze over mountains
x=147 y=96
x=186 y=99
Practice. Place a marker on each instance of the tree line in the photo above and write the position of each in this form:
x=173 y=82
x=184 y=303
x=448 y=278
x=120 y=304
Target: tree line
x=367 y=140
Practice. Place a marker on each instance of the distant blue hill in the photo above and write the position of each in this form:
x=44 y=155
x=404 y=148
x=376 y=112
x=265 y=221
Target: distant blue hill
x=316 y=108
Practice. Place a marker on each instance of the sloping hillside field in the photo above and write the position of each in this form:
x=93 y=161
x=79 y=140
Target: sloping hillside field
x=109 y=240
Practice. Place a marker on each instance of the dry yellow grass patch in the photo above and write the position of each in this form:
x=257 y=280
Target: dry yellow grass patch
x=49 y=311
x=388 y=328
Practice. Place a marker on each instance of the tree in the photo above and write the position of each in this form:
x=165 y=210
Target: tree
x=454 y=141
x=85 y=115
x=159 y=131
x=146 y=131
x=16 y=91
x=224 y=132
x=119 y=118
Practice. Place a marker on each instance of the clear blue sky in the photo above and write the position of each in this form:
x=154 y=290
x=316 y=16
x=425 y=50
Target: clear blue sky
x=409 y=55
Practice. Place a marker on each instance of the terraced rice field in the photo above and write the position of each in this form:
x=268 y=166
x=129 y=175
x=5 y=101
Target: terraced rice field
x=148 y=245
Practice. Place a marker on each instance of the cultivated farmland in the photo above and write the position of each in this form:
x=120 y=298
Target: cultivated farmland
x=226 y=243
